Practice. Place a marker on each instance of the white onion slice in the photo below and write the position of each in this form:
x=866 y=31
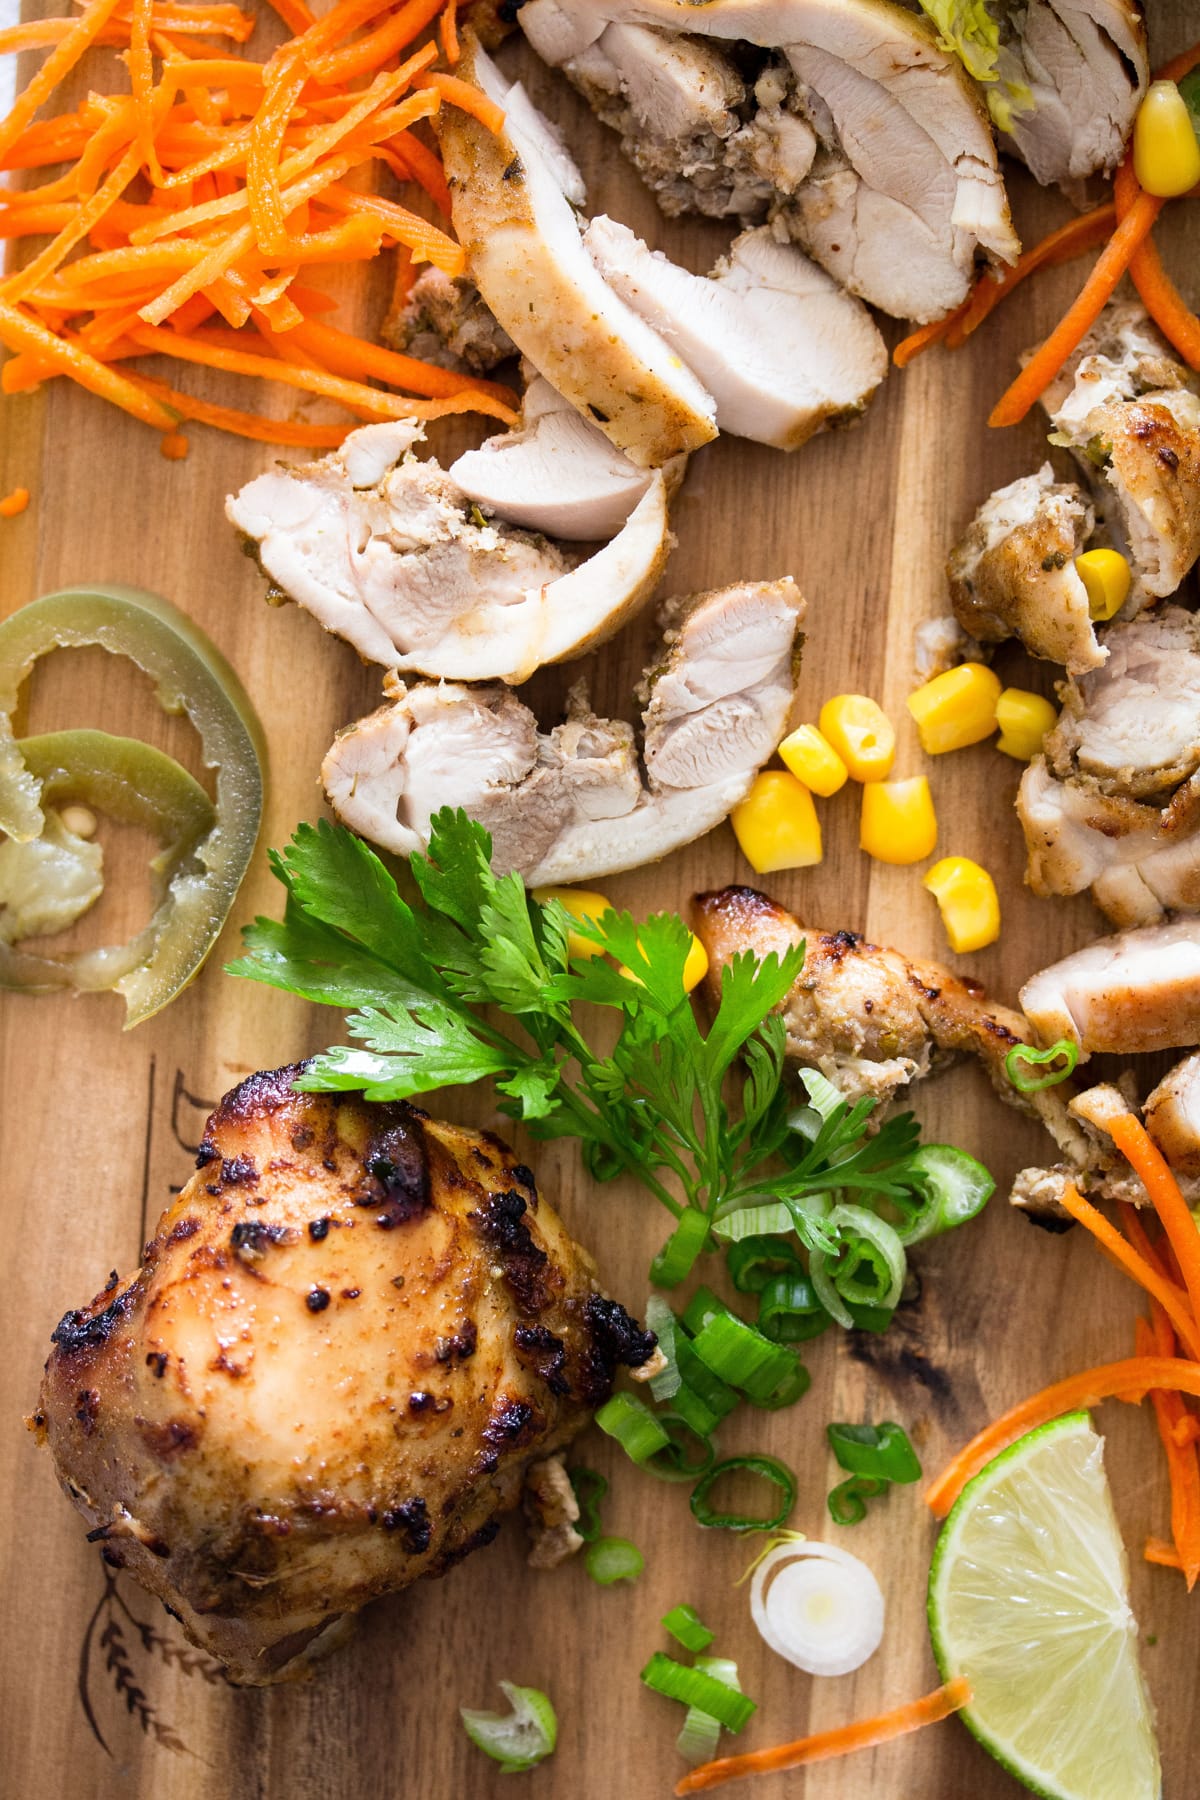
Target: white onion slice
x=818 y=1607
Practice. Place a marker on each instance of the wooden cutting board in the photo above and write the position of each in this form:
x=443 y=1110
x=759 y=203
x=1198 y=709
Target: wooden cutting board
x=102 y=1696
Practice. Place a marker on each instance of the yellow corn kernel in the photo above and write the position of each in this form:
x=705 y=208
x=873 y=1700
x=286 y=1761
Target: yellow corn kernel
x=695 y=966
x=861 y=734
x=1024 y=719
x=776 y=825
x=898 y=823
x=1166 y=154
x=581 y=903
x=956 y=708
x=814 y=761
x=967 y=900
x=1106 y=576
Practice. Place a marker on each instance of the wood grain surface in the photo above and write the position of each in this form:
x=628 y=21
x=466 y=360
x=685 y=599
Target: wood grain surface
x=101 y=1697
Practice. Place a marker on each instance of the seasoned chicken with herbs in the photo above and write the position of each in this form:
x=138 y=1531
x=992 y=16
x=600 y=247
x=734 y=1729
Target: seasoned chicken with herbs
x=349 y=1338
x=1123 y=995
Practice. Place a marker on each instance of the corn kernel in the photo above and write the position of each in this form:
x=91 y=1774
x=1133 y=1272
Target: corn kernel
x=1024 y=719
x=1106 y=576
x=861 y=734
x=776 y=825
x=581 y=903
x=898 y=823
x=1166 y=154
x=695 y=966
x=956 y=708
x=814 y=761
x=967 y=900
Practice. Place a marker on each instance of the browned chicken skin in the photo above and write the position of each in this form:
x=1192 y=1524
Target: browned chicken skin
x=350 y=1335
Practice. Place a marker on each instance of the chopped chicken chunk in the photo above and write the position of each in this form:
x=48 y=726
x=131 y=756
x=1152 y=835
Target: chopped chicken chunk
x=347 y=1340
x=1013 y=572
x=1083 y=65
x=571 y=804
x=389 y=553
x=443 y=319
x=783 y=351
x=1172 y=1114
x=1134 y=992
x=551 y=1514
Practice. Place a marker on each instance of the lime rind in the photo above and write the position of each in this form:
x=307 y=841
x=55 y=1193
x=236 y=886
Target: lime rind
x=1028 y=1598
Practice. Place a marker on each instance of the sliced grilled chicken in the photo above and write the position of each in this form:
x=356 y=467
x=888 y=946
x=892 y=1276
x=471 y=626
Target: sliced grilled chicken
x=442 y=319
x=558 y=473
x=1013 y=572
x=1135 y=724
x=389 y=553
x=873 y=1020
x=1134 y=992
x=572 y=804
x=1172 y=1113
x=1083 y=66
x=783 y=351
x=1129 y=412
x=514 y=196
x=1172 y=1116
x=347 y=1340
x=904 y=187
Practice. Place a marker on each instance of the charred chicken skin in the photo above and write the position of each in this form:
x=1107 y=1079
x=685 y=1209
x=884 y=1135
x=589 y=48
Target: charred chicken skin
x=351 y=1334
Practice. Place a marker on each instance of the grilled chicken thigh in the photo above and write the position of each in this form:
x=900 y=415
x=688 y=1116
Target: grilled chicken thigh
x=572 y=803
x=1134 y=992
x=348 y=1338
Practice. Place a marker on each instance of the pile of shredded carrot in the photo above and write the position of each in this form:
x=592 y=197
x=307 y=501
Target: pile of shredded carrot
x=194 y=215
x=1166 y=1362
x=1123 y=226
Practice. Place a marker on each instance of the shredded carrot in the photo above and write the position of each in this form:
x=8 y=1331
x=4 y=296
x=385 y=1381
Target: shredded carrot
x=1182 y=1466
x=243 y=424
x=1161 y=298
x=354 y=357
x=1178 y=66
x=1107 y=1381
x=1049 y=358
x=20 y=332
x=826 y=1744
x=1142 y=1153
x=1165 y=1555
x=376 y=48
x=1175 y=1304
x=922 y=338
x=174 y=446
x=467 y=98
x=1186 y=1429
x=58 y=64
x=449 y=33
x=14 y=503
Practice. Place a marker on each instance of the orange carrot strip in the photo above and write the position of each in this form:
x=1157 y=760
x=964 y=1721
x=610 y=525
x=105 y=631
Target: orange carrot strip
x=449 y=32
x=242 y=424
x=1182 y=1466
x=1135 y=1231
x=59 y=63
x=1178 y=66
x=19 y=332
x=467 y=97
x=87 y=215
x=1175 y=1305
x=295 y=15
x=204 y=21
x=825 y=1744
x=1158 y=293
x=14 y=503
x=263 y=174
x=1107 y=1381
x=48 y=141
x=1142 y=1153
x=923 y=337
x=1186 y=1429
x=427 y=243
x=397 y=154
x=377 y=47
x=1075 y=238
x=174 y=446
x=1165 y=1555
x=355 y=357
x=31 y=221
x=1049 y=358
x=141 y=76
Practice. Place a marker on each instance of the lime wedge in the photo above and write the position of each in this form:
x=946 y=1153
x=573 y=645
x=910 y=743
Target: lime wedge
x=1028 y=1599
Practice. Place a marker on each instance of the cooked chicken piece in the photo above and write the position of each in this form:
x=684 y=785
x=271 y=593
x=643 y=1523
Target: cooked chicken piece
x=1134 y=992
x=347 y=1340
x=390 y=554
x=557 y=474
x=514 y=196
x=1112 y=805
x=1129 y=412
x=442 y=319
x=1013 y=572
x=551 y=1514
x=783 y=351
x=1172 y=1117
x=1082 y=65
x=904 y=187
x=872 y=1020
x=1172 y=1114
x=941 y=643
x=571 y=804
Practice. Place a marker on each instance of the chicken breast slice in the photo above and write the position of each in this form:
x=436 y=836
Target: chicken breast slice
x=388 y=552
x=1135 y=723
x=1172 y=1116
x=1012 y=573
x=904 y=187
x=572 y=804
x=1083 y=64
x=442 y=319
x=783 y=351
x=1129 y=412
x=1134 y=992
x=514 y=195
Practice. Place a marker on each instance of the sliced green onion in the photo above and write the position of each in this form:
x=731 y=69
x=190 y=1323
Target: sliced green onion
x=687 y=1628
x=634 y=1426
x=612 y=1559
x=792 y=1387
x=590 y=1488
x=695 y=1687
x=823 y=1097
x=701 y=1732
x=789 y=1311
x=703 y=1399
x=882 y=1451
x=848 y=1501
x=702 y=1307
x=1065 y=1051
x=674 y=1462
x=827 y=1294
x=661 y=1321
x=871 y=1318
x=676 y=1259
x=754 y=1221
x=956 y=1188
x=743 y=1357
x=517 y=1739
x=752 y=1261
x=806 y=1122
x=770 y=1469
x=868 y=1243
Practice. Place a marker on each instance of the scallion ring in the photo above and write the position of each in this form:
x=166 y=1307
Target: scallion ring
x=678 y=1460
x=880 y=1451
x=676 y=1259
x=662 y=1322
x=869 y=1243
x=701 y=1732
x=612 y=1559
x=1066 y=1051
x=753 y=1261
x=695 y=1687
x=517 y=1739
x=687 y=1628
x=789 y=1311
x=818 y=1607
x=769 y=1468
x=827 y=1294
x=848 y=1501
x=634 y=1426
